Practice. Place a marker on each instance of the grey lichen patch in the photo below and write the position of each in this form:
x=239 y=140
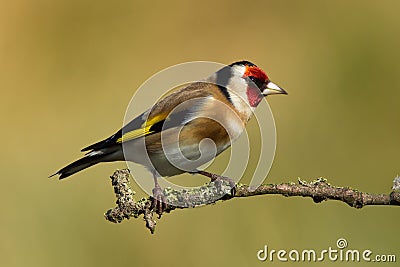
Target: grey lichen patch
x=128 y=207
x=315 y=182
x=396 y=183
x=302 y=182
x=319 y=181
x=198 y=196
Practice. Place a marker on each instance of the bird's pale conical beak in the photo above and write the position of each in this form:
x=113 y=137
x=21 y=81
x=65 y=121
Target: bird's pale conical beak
x=272 y=89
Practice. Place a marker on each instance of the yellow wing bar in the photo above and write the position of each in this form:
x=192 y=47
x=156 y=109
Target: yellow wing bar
x=143 y=130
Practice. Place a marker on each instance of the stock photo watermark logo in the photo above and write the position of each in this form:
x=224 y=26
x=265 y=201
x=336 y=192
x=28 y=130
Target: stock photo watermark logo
x=178 y=155
x=339 y=253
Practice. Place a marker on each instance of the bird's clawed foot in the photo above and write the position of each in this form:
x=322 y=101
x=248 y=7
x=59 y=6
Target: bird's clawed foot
x=232 y=184
x=158 y=201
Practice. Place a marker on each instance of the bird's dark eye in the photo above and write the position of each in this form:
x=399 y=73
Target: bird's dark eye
x=256 y=81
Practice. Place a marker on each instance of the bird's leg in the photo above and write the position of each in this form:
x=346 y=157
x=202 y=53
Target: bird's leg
x=159 y=201
x=215 y=178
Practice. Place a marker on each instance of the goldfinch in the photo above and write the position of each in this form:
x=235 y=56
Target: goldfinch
x=167 y=138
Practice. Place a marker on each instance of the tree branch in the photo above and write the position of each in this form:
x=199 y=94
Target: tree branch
x=319 y=190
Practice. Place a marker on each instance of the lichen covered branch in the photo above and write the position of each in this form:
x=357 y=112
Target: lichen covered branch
x=319 y=190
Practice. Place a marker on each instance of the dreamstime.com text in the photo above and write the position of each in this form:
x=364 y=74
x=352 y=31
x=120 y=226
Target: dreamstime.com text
x=339 y=253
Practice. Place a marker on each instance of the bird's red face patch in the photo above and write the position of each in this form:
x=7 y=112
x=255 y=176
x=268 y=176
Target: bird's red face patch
x=254 y=96
x=259 y=78
x=256 y=72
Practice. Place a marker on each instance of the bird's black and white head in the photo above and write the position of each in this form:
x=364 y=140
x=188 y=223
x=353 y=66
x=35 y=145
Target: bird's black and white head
x=247 y=81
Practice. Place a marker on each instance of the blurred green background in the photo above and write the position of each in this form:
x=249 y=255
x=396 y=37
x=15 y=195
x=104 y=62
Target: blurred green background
x=69 y=68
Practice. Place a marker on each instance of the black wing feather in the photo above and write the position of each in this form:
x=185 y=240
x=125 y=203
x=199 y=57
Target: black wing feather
x=136 y=123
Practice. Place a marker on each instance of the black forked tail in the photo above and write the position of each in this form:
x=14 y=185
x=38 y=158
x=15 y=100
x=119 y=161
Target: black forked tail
x=81 y=164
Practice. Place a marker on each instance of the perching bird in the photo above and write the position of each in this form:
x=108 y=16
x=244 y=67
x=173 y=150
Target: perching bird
x=166 y=138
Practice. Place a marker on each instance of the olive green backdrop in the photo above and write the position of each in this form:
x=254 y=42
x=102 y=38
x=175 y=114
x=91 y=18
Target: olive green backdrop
x=69 y=68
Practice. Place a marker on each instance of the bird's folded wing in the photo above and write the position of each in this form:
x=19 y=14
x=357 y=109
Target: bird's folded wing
x=172 y=111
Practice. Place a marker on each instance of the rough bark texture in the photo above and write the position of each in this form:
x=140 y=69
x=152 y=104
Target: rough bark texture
x=319 y=190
